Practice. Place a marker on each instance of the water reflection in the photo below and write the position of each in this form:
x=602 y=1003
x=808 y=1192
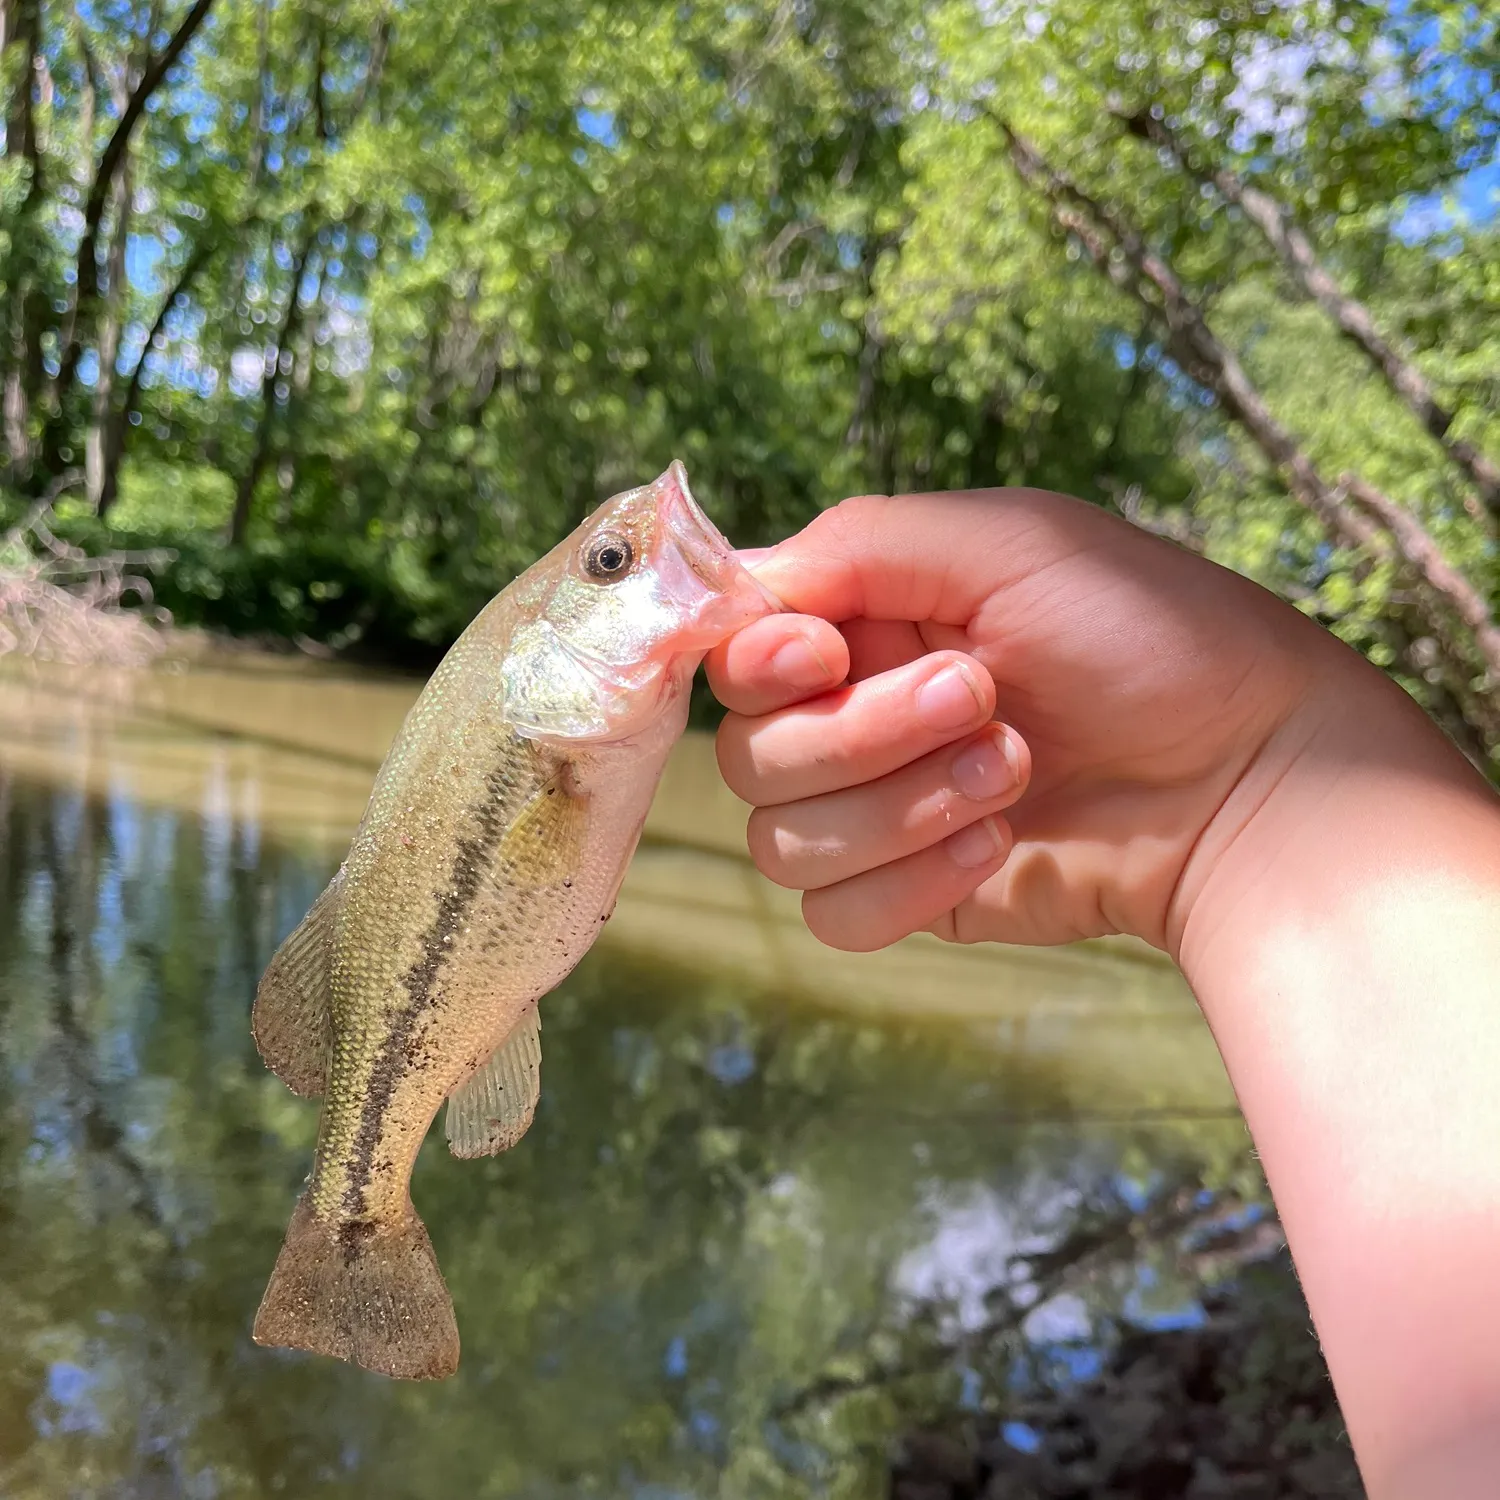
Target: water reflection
x=726 y=1202
x=286 y=750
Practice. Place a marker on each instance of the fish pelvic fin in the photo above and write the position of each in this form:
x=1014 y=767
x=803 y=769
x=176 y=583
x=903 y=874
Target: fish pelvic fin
x=293 y=1014
x=376 y=1299
x=493 y=1110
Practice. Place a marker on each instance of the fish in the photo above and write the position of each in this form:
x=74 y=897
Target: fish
x=491 y=852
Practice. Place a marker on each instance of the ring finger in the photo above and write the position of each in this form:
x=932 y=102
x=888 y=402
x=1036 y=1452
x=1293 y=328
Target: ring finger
x=856 y=733
x=821 y=840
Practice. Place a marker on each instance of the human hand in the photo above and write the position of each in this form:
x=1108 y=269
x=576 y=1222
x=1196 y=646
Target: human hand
x=1140 y=686
x=1197 y=764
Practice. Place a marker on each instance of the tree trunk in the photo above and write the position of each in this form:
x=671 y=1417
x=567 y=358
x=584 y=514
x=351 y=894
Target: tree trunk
x=244 y=497
x=21 y=31
x=119 y=418
x=78 y=324
x=98 y=461
x=256 y=164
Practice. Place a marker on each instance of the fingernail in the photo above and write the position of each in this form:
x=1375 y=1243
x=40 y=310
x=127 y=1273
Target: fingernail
x=949 y=700
x=798 y=665
x=978 y=844
x=987 y=768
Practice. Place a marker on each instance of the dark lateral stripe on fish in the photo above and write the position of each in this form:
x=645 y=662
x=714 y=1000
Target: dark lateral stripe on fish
x=470 y=865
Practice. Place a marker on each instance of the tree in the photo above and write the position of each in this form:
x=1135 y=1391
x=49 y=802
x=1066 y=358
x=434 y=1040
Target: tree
x=388 y=297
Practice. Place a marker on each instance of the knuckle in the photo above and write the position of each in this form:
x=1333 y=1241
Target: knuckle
x=945 y=928
x=765 y=850
x=849 y=520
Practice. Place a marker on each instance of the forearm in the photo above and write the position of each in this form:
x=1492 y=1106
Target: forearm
x=1346 y=950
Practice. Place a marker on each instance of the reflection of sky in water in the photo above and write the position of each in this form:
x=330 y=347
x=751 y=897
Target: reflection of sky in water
x=968 y=1252
x=732 y=1063
x=977 y=1233
x=1059 y=1320
x=69 y=1404
x=1144 y=1306
x=1022 y=1436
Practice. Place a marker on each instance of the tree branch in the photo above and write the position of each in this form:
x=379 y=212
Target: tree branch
x=109 y=167
x=1087 y=1246
x=380 y=43
x=1421 y=552
x=320 y=100
x=1353 y=319
x=21 y=22
x=21 y=27
x=202 y=253
x=1136 y=269
x=245 y=491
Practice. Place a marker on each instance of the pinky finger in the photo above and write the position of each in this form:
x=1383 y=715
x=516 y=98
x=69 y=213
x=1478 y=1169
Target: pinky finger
x=886 y=904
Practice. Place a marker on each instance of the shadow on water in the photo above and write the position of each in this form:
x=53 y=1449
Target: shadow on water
x=742 y=1242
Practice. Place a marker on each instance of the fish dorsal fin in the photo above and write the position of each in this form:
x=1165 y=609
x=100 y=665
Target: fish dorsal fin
x=293 y=1015
x=492 y=1111
x=544 y=845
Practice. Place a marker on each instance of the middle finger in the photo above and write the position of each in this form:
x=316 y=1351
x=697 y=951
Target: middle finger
x=856 y=733
x=822 y=840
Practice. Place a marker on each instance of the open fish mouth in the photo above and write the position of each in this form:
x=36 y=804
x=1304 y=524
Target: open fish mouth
x=706 y=550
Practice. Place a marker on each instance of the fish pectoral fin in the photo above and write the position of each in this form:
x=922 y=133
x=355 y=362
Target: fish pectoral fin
x=544 y=846
x=293 y=1014
x=490 y=1112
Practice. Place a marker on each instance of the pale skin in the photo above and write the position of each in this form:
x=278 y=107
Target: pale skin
x=1005 y=716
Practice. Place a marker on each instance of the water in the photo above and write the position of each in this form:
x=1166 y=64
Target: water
x=760 y=1176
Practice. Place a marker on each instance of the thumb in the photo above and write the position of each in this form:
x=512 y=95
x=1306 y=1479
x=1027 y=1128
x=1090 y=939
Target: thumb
x=899 y=557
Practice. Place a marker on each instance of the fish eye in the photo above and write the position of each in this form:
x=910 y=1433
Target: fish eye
x=609 y=557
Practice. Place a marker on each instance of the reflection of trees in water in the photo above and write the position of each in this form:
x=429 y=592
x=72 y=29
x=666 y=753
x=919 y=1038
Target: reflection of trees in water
x=706 y=1220
x=1151 y=1350
x=1238 y=1407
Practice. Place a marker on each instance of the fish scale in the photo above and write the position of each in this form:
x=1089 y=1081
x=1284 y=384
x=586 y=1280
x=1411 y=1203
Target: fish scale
x=497 y=835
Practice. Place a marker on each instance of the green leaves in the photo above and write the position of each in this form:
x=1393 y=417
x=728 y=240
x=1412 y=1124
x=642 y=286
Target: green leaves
x=546 y=250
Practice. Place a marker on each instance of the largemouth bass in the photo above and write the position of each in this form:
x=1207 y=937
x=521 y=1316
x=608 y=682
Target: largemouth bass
x=493 y=846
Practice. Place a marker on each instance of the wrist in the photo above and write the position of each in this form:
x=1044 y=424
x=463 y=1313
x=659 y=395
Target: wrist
x=1353 y=789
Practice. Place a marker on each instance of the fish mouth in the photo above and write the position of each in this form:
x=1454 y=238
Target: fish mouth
x=707 y=551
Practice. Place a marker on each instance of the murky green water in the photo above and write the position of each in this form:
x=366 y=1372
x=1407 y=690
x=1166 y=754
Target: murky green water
x=732 y=1190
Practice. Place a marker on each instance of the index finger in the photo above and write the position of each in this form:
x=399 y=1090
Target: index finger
x=775 y=662
x=933 y=558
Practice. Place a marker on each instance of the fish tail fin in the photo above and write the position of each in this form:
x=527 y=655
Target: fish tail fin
x=378 y=1301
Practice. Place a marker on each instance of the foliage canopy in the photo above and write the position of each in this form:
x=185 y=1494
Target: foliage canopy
x=387 y=295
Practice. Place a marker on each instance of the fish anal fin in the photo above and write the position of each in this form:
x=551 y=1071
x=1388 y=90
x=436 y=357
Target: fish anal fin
x=544 y=845
x=293 y=1014
x=377 y=1300
x=493 y=1109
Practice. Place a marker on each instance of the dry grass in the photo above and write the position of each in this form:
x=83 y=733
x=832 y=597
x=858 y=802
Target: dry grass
x=59 y=603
